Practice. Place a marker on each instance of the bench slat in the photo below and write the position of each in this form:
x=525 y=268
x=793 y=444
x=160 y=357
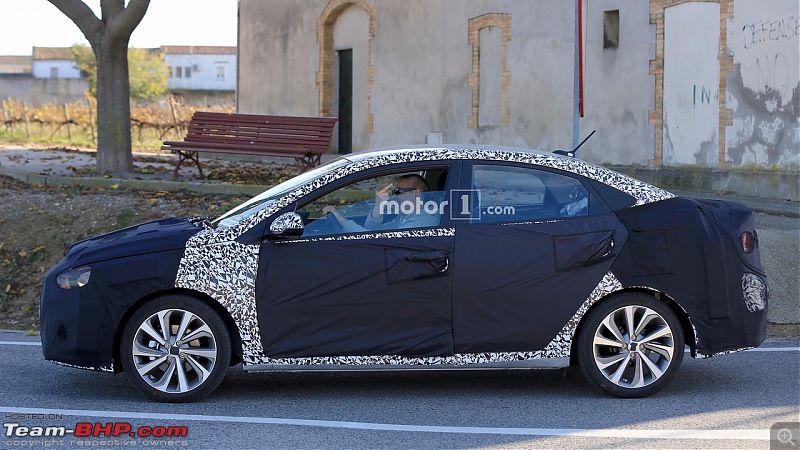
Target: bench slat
x=271 y=152
x=259 y=143
x=202 y=130
x=204 y=116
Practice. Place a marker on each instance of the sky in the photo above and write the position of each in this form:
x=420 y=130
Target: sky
x=28 y=23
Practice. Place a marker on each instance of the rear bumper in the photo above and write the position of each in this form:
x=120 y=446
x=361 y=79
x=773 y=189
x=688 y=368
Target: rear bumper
x=746 y=325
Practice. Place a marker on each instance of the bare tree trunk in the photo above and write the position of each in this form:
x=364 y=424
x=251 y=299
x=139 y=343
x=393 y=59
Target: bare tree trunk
x=113 y=108
x=109 y=38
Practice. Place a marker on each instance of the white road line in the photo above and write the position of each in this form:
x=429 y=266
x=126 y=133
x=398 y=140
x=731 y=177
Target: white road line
x=774 y=349
x=757 y=349
x=735 y=434
x=20 y=343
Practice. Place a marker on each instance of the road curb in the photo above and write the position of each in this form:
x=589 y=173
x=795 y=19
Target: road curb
x=235 y=189
x=144 y=185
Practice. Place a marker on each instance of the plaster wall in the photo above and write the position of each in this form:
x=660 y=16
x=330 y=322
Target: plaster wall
x=203 y=72
x=66 y=69
x=691 y=84
x=763 y=87
x=278 y=57
x=422 y=60
x=619 y=91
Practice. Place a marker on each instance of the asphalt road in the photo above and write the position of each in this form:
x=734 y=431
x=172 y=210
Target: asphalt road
x=728 y=401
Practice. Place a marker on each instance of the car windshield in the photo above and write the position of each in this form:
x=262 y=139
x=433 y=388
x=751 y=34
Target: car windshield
x=272 y=194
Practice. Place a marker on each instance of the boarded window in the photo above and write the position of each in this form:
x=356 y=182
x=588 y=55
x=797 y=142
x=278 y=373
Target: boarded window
x=491 y=76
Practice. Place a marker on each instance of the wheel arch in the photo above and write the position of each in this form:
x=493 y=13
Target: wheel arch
x=230 y=325
x=687 y=326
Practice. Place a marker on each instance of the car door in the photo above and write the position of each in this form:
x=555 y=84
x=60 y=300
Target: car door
x=361 y=292
x=534 y=245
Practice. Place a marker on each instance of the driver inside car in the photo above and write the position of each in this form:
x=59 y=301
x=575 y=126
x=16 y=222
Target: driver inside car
x=410 y=188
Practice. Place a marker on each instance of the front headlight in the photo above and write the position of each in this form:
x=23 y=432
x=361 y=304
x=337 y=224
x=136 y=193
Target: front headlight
x=74 y=278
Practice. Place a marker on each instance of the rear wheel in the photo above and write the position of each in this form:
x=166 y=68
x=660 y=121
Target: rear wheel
x=630 y=345
x=175 y=349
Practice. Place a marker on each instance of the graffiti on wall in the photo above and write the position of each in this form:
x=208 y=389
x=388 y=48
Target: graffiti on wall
x=769 y=30
x=763 y=89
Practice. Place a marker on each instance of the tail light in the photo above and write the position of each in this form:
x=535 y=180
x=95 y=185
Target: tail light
x=749 y=241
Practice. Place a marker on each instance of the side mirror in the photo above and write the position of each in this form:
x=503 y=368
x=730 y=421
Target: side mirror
x=287 y=224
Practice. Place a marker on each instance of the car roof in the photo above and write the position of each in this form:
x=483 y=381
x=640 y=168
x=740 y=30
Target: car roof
x=490 y=151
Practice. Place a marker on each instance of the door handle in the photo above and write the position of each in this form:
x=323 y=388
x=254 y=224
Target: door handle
x=439 y=260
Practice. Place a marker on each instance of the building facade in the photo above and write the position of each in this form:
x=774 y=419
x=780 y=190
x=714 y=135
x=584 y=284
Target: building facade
x=200 y=68
x=707 y=83
x=54 y=63
x=15 y=65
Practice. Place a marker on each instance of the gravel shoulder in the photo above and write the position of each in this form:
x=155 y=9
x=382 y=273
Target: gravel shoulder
x=39 y=223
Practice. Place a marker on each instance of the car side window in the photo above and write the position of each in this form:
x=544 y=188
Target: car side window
x=513 y=194
x=389 y=202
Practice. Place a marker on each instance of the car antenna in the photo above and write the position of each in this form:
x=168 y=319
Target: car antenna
x=571 y=154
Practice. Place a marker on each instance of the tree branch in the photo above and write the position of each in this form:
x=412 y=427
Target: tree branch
x=110 y=8
x=122 y=24
x=83 y=16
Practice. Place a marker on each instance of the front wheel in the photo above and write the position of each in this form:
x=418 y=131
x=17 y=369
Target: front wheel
x=630 y=345
x=175 y=349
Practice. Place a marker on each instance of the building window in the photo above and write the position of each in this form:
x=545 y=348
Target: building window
x=54 y=72
x=220 y=73
x=611 y=29
x=178 y=72
x=187 y=72
x=171 y=72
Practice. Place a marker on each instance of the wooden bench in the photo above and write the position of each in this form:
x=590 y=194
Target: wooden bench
x=303 y=138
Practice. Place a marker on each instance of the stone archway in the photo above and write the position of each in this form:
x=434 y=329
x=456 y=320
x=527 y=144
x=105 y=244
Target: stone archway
x=325 y=40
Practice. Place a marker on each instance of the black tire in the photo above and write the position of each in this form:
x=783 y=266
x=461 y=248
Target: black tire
x=660 y=341
x=202 y=360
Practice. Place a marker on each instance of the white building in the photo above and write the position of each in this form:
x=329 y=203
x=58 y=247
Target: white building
x=54 y=62
x=16 y=65
x=200 y=68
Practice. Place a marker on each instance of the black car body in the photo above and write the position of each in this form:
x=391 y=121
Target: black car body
x=533 y=260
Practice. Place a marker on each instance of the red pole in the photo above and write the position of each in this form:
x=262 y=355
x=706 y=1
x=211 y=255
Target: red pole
x=580 y=57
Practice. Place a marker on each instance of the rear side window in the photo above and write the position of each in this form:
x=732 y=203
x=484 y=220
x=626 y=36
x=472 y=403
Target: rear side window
x=514 y=194
x=614 y=198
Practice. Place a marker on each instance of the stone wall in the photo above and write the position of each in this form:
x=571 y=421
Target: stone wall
x=38 y=91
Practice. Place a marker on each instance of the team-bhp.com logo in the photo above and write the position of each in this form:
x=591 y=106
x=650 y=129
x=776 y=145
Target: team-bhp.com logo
x=464 y=204
x=88 y=429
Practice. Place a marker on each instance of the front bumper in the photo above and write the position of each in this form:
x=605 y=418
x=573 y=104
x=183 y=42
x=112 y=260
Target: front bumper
x=69 y=336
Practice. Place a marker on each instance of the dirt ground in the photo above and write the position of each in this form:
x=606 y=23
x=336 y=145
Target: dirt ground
x=39 y=223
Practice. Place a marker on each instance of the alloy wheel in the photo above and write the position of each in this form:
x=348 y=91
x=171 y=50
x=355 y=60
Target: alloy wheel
x=174 y=351
x=633 y=346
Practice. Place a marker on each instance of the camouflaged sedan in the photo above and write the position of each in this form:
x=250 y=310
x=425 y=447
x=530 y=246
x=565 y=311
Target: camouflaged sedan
x=454 y=257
